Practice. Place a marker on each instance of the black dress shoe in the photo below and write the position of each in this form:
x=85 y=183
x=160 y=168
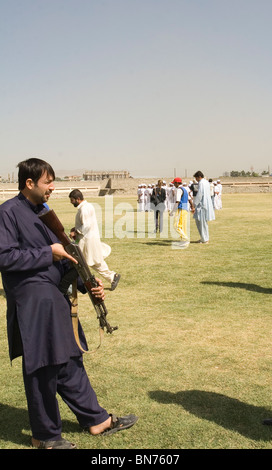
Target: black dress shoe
x=115 y=281
x=268 y=421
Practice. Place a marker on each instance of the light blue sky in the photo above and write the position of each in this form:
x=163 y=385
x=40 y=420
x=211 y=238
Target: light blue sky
x=142 y=85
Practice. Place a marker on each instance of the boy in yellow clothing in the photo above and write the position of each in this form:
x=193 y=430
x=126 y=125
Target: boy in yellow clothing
x=181 y=208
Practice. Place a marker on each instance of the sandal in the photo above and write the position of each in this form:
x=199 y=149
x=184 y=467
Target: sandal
x=118 y=424
x=61 y=444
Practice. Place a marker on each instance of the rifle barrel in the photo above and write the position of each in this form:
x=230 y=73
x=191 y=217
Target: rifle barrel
x=51 y=220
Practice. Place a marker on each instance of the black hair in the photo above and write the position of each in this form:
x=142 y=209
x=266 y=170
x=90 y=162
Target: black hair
x=198 y=174
x=33 y=168
x=76 y=194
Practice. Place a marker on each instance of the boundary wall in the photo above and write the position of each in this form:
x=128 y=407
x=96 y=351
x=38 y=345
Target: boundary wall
x=129 y=186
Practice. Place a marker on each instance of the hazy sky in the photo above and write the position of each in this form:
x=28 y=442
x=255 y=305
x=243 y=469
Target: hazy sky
x=142 y=85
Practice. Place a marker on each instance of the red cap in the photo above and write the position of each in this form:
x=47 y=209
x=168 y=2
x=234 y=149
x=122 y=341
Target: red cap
x=177 y=180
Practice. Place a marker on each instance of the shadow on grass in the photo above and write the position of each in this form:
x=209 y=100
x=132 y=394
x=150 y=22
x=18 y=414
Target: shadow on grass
x=157 y=241
x=227 y=412
x=241 y=285
x=14 y=425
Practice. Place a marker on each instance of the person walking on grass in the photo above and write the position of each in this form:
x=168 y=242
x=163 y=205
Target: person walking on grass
x=86 y=233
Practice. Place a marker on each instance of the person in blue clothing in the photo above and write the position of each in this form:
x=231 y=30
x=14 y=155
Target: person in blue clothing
x=39 y=326
x=181 y=207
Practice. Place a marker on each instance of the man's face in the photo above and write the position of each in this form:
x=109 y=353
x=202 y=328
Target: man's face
x=74 y=201
x=41 y=191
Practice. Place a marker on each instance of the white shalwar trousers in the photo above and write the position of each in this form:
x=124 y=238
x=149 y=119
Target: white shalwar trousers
x=104 y=271
x=202 y=227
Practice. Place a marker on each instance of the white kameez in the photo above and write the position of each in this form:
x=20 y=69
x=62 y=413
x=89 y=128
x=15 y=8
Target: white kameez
x=89 y=241
x=204 y=211
x=141 y=199
x=219 y=186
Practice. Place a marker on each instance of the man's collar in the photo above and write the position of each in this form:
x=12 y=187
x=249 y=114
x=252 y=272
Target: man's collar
x=82 y=203
x=35 y=208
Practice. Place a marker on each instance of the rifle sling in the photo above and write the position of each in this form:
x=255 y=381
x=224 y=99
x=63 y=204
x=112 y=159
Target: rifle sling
x=74 y=316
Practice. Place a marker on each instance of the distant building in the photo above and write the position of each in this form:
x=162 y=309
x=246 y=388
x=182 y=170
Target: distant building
x=102 y=175
x=72 y=178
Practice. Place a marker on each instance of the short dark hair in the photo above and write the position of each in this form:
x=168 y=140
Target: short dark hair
x=76 y=194
x=33 y=168
x=198 y=174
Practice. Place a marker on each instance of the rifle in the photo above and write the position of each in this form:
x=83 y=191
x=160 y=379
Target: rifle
x=51 y=220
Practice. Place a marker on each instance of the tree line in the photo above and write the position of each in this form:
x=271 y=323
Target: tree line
x=236 y=173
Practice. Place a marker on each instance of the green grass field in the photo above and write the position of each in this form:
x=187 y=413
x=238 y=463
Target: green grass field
x=192 y=355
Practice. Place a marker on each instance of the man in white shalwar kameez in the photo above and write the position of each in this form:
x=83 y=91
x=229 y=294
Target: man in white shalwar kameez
x=86 y=233
x=140 y=197
x=219 y=185
x=204 y=211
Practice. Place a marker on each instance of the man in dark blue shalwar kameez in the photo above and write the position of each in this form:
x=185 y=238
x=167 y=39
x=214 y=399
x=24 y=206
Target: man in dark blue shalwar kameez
x=32 y=263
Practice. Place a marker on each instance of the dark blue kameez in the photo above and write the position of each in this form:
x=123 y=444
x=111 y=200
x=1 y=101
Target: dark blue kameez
x=38 y=316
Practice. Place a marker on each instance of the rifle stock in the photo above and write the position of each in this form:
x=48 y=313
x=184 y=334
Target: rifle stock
x=51 y=220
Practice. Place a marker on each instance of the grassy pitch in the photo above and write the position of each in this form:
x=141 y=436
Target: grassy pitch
x=192 y=355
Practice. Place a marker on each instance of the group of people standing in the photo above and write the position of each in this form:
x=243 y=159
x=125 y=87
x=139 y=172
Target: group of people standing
x=144 y=193
x=201 y=197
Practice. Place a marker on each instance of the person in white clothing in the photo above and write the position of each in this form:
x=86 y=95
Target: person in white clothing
x=216 y=197
x=140 y=197
x=148 y=192
x=86 y=233
x=168 y=190
x=212 y=190
x=204 y=211
x=219 y=185
x=172 y=196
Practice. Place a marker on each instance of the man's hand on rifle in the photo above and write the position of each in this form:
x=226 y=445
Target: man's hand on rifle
x=99 y=290
x=59 y=253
